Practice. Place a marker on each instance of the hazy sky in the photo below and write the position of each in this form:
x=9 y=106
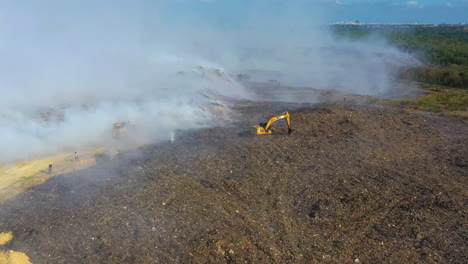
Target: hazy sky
x=370 y=11
x=400 y=11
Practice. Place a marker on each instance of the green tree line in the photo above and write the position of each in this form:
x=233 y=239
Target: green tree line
x=443 y=49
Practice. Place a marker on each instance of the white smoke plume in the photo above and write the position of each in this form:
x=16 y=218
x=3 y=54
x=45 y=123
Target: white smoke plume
x=92 y=63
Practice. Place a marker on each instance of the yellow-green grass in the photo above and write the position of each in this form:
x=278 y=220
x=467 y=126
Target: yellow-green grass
x=20 y=176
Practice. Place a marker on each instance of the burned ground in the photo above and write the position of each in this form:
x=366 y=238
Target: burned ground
x=351 y=184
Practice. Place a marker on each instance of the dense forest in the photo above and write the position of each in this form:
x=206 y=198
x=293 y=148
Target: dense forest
x=443 y=49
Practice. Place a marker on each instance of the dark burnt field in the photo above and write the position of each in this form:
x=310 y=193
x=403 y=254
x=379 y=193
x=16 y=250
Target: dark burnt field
x=352 y=184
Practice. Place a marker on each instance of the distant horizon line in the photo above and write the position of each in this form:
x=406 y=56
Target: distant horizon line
x=383 y=23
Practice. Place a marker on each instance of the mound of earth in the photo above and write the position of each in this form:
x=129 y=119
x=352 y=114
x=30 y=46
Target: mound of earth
x=351 y=184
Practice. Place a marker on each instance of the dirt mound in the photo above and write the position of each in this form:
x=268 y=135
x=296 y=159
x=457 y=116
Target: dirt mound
x=10 y=256
x=351 y=184
x=5 y=238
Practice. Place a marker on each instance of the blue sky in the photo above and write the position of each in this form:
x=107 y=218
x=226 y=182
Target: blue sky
x=370 y=11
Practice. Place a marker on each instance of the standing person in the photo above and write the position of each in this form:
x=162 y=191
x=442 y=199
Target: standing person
x=50 y=167
x=77 y=158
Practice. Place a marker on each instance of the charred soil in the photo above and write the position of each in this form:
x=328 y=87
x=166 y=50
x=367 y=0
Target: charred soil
x=351 y=184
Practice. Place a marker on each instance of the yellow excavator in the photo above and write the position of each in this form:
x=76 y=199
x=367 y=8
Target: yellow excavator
x=121 y=128
x=265 y=128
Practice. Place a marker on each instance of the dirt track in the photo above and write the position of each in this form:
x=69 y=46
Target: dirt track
x=352 y=183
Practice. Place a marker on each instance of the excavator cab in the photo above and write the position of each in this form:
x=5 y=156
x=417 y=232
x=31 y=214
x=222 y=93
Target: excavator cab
x=265 y=128
x=120 y=128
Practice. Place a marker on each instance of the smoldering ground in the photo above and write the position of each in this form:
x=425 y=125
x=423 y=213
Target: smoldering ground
x=386 y=176
x=109 y=61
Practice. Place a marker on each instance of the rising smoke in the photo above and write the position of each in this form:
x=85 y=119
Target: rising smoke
x=70 y=70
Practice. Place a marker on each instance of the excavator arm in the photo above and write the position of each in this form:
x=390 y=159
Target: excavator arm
x=265 y=129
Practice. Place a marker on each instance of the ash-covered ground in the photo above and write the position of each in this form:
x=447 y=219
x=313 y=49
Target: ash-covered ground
x=353 y=183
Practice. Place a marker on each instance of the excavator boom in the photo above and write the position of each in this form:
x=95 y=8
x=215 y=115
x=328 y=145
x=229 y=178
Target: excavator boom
x=265 y=128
